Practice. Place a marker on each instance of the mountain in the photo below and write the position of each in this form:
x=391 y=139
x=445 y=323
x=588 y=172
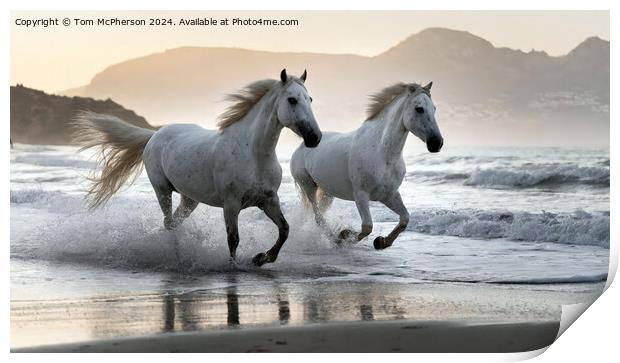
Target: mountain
x=40 y=118
x=507 y=95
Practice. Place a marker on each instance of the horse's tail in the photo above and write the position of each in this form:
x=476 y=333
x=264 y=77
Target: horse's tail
x=120 y=152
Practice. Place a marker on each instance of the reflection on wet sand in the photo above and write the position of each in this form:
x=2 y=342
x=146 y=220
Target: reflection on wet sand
x=284 y=312
x=235 y=300
x=216 y=308
x=232 y=304
x=169 y=313
x=198 y=310
x=366 y=312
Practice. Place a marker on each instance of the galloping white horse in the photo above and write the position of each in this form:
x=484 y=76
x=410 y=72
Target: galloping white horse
x=367 y=164
x=234 y=168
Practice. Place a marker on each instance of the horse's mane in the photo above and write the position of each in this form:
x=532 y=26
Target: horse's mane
x=243 y=100
x=383 y=98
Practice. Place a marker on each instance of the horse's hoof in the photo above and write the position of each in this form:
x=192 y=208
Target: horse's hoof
x=380 y=243
x=175 y=224
x=260 y=259
x=169 y=224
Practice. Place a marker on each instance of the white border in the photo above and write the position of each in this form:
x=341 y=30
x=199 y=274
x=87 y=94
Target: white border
x=593 y=336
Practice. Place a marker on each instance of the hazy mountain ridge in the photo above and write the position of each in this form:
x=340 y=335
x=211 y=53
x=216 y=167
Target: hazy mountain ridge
x=41 y=118
x=478 y=87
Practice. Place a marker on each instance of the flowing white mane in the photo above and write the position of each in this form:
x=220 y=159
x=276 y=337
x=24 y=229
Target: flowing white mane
x=244 y=99
x=383 y=98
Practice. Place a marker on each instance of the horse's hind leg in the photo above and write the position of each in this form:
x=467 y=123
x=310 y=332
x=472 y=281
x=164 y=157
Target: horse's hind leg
x=320 y=203
x=362 y=202
x=395 y=203
x=185 y=208
x=164 y=197
x=273 y=211
x=311 y=192
x=324 y=200
x=163 y=190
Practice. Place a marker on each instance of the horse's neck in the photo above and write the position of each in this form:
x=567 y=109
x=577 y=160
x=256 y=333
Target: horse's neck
x=262 y=127
x=393 y=134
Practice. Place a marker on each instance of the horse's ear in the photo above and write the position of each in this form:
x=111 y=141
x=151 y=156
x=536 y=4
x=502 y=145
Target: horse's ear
x=304 y=76
x=283 y=76
x=428 y=87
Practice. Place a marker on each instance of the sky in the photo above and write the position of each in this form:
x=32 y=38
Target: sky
x=57 y=58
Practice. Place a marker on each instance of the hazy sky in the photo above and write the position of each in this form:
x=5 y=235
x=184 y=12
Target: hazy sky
x=58 y=57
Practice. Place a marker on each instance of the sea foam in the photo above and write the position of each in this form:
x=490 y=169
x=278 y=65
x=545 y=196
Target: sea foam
x=580 y=227
x=541 y=175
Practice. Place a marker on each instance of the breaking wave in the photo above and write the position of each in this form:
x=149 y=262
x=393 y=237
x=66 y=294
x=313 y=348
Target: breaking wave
x=549 y=176
x=28 y=195
x=580 y=227
x=540 y=175
x=54 y=161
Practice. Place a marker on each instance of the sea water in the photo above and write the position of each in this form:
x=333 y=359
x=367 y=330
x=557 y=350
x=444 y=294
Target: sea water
x=478 y=215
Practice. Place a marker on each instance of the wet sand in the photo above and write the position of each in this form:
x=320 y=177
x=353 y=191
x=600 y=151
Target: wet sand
x=252 y=313
x=383 y=336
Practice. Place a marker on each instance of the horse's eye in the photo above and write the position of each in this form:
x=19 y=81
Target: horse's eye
x=310 y=99
x=419 y=109
x=292 y=100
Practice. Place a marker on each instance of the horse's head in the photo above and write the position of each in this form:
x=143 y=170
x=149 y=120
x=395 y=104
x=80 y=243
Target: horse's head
x=419 y=117
x=294 y=109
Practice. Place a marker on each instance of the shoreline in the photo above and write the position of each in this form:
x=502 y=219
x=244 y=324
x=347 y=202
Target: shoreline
x=367 y=337
x=254 y=312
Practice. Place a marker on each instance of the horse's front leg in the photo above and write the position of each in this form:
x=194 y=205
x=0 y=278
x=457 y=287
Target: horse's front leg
x=271 y=207
x=395 y=203
x=362 y=202
x=231 y=217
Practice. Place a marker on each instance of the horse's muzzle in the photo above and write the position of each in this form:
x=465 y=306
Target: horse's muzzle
x=434 y=144
x=312 y=139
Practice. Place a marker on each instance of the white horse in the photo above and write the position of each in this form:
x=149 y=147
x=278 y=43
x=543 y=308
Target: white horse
x=367 y=164
x=233 y=169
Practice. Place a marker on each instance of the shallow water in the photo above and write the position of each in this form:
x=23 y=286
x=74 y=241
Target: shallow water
x=538 y=218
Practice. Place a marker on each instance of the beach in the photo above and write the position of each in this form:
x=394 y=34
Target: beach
x=368 y=337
